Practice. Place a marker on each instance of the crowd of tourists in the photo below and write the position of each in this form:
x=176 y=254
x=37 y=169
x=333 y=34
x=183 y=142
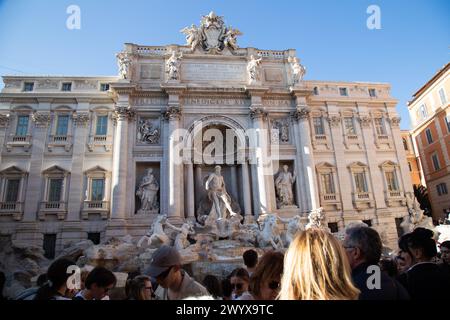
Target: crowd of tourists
x=316 y=266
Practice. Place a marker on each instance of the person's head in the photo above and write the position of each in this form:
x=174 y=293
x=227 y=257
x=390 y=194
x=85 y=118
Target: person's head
x=285 y=168
x=99 y=281
x=445 y=251
x=140 y=288
x=265 y=281
x=217 y=169
x=422 y=245
x=404 y=259
x=41 y=280
x=57 y=275
x=389 y=266
x=316 y=268
x=239 y=281
x=250 y=258
x=362 y=245
x=212 y=284
x=165 y=266
x=226 y=289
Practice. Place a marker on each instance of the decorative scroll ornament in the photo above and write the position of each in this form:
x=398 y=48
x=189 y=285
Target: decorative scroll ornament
x=81 y=119
x=334 y=121
x=300 y=114
x=258 y=112
x=365 y=121
x=41 y=119
x=4 y=120
x=395 y=121
x=172 y=113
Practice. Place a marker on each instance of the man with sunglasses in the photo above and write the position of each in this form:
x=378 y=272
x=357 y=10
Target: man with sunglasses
x=176 y=284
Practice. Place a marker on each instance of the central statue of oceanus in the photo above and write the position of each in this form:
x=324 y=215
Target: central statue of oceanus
x=217 y=193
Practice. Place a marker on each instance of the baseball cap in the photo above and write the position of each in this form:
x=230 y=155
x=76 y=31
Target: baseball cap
x=162 y=259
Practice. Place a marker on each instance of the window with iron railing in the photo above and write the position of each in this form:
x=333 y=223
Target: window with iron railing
x=22 y=126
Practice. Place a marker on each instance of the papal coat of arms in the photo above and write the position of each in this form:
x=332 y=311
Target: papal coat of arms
x=212 y=35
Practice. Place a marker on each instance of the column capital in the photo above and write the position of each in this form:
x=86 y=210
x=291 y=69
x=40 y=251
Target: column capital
x=80 y=119
x=334 y=120
x=4 y=120
x=257 y=112
x=123 y=112
x=41 y=119
x=300 y=113
x=395 y=121
x=172 y=113
x=365 y=121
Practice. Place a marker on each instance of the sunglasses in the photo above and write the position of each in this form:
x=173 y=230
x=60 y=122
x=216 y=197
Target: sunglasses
x=237 y=286
x=164 y=274
x=274 y=285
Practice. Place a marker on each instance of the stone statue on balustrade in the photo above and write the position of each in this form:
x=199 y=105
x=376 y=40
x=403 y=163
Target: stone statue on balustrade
x=148 y=193
x=283 y=184
x=173 y=66
x=124 y=62
x=298 y=70
x=156 y=235
x=254 y=70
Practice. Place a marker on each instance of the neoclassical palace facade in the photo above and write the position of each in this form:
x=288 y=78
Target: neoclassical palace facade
x=74 y=150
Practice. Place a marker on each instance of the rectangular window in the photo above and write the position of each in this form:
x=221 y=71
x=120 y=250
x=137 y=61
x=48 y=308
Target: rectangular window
x=391 y=181
x=405 y=144
x=442 y=189
x=102 y=125
x=49 y=245
x=28 y=86
x=409 y=165
x=423 y=111
x=55 y=188
x=327 y=183
x=12 y=190
x=94 y=237
x=97 y=188
x=379 y=126
x=442 y=96
x=429 y=136
x=372 y=93
x=62 y=125
x=104 y=86
x=343 y=92
x=349 y=125
x=22 y=126
x=360 y=182
x=333 y=226
x=436 y=163
x=66 y=86
x=318 y=125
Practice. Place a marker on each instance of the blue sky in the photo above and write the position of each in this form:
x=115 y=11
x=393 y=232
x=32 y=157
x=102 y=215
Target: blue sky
x=331 y=37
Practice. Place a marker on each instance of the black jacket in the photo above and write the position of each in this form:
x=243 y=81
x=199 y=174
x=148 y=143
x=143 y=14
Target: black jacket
x=390 y=289
x=426 y=281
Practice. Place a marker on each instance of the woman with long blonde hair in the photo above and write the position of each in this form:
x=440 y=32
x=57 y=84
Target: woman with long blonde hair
x=316 y=268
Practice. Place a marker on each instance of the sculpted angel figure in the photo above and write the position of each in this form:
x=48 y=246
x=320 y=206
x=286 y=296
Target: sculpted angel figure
x=193 y=36
x=231 y=38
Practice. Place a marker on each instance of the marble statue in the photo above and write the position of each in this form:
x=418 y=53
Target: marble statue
x=193 y=36
x=230 y=38
x=283 y=185
x=293 y=226
x=217 y=193
x=253 y=69
x=269 y=234
x=147 y=192
x=124 y=63
x=416 y=219
x=146 y=132
x=181 y=240
x=317 y=219
x=298 y=70
x=173 y=66
x=156 y=234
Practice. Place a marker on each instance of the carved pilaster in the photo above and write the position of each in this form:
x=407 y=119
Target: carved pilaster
x=41 y=120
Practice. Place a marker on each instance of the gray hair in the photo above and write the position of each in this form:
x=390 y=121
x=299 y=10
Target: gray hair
x=367 y=240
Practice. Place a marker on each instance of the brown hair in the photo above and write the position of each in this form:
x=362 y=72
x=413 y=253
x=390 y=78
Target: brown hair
x=269 y=267
x=136 y=287
x=316 y=267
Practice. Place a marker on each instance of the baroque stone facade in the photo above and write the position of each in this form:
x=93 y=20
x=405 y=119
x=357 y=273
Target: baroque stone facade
x=98 y=157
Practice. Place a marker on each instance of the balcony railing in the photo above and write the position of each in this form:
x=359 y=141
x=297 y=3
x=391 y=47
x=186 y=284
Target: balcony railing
x=362 y=196
x=329 y=197
x=60 y=141
x=352 y=137
x=95 y=206
x=18 y=141
x=60 y=138
x=321 y=137
x=100 y=141
x=58 y=208
x=383 y=137
x=11 y=206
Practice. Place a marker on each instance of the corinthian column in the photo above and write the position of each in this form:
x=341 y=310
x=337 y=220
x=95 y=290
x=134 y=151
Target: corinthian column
x=301 y=116
x=123 y=114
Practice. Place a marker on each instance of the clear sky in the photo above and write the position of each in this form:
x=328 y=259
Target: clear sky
x=330 y=36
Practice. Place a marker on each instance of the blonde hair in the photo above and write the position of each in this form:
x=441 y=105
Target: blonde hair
x=316 y=268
